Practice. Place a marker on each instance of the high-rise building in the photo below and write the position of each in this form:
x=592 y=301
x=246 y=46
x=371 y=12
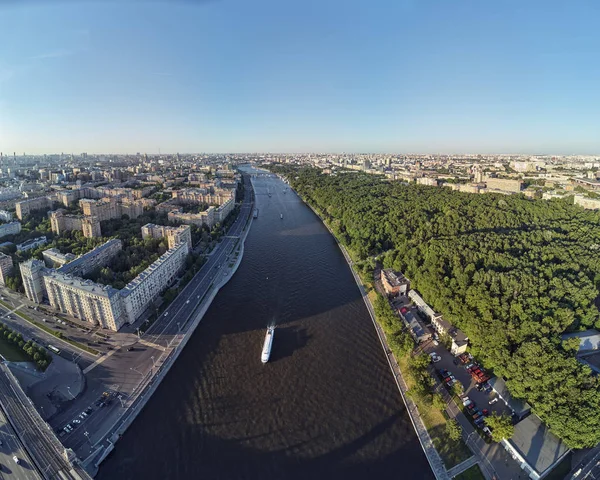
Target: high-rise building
x=11 y=228
x=6 y=267
x=32 y=272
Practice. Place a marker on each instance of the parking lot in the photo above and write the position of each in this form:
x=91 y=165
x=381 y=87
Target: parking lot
x=449 y=362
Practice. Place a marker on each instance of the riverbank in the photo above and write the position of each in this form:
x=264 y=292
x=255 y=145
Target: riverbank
x=433 y=457
x=148 y=386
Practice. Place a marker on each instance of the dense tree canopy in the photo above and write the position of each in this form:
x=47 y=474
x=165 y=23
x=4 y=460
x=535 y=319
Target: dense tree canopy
x=511 y=272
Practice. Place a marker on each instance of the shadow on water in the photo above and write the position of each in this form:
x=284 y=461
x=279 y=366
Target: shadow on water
x=325 y=406
x=287 y=341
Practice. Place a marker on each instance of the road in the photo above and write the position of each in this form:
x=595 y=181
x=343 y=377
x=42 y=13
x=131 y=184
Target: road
x=33 y=431
x=11 y=446
x=125 y=370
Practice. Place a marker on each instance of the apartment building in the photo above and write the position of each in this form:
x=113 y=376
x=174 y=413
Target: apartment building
x=6 y=267
x=143 y=289
x=96 y=258
x=32 y=243
x=6 y=216
x=98 y=304
x=175 y=235
x=25 y=207
x=208 y=217
x=61 y=221
x=11 y=228
x=432 y=182
x=505 y=184
x=587 y=203
x=110 y=207
x=32 y=272
x=54 y=259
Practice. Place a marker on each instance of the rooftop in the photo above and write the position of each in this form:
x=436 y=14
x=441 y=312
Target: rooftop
x=395 y=279
x=588 y=340
x=81 y=284
x=519 y=407
x=537 y=445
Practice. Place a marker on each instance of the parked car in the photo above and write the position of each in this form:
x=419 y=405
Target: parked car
x=435 y=342
x=16 y=459
x=467 y=401
x=479 y=421
x=455 y=361
x=493 y=400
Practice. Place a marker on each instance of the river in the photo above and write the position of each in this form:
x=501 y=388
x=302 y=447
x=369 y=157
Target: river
x=325 y=406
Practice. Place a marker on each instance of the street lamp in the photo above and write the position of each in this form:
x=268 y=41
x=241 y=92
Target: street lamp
x=87 y=435
x=70 y=393
x=153 y=363
x=136 y=370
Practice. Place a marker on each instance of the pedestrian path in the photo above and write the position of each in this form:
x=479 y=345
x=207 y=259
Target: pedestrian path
x=461 y=467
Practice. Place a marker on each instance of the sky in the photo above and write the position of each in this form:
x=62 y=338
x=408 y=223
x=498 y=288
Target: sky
x=400 y=76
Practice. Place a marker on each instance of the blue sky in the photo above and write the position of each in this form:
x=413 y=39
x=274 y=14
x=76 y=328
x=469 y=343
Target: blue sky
x=271 y=75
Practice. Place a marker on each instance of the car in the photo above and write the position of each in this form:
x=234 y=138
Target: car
x=467 y=401
x=166 y=313
x=479 y=422
x=76 y=421
x=89 y=410
x=493 y=400
x=487 y=431
x=130 y=349
x=100 y=403
x=455 y=361
x=471 y=407
x=435 y=342
x=436 y=359
x=403 y=310
x=433 y=354
x=477 y=415
x=16 y=459
x=485 y=412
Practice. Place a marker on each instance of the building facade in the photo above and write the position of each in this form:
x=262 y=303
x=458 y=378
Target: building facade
x=54 y=259
x=96 y=258
x=32 y=272
x=394 y=283
x=11 y=228
x=6 y=267
x=175 y=235
x=83 y=299
x=25 y=207
x=31 y=244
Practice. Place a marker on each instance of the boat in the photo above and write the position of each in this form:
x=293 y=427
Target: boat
x=266 y=351
x=281 y=215
x=255 y=213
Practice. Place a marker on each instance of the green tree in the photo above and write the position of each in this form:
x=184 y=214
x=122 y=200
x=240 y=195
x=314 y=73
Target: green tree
x=453 y=429
x=439 y=402
x=501 y=426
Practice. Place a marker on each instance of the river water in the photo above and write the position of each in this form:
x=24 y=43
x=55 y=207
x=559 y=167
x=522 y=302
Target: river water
x=325 y=406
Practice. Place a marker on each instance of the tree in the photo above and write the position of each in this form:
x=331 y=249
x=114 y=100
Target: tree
x=439 y=402
x=501 y=426
x=453 y=429
x=458 y=389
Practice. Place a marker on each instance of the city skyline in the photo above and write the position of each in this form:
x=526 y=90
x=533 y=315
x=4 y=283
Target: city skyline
x=235 y=78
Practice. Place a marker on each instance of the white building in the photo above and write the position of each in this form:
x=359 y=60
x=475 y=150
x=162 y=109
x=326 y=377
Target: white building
x=32 y=243
x=98 y=304
x=143 y=289
x=6 y=216
x=32 y=272
x=11 y=228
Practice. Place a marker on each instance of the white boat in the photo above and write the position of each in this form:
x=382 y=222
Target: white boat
x=281 y=215
x=266 y=351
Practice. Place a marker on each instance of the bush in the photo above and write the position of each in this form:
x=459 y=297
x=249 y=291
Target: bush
x=453 y=429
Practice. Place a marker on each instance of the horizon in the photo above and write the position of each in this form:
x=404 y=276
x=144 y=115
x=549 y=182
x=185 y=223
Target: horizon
x=271 y=78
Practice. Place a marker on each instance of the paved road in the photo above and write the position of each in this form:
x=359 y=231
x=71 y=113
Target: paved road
x=32 y=430
x=30 y=331
x=124 y=371
x=11 y=446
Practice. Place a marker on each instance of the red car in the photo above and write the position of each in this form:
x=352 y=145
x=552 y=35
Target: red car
x=403 y=310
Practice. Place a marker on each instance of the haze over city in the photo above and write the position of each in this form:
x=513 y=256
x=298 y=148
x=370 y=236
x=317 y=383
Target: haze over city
x=236 y=76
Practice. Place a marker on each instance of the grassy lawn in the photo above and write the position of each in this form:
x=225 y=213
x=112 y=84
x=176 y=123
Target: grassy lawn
x=452 y=452
x=472 y=473
x=12 y=352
